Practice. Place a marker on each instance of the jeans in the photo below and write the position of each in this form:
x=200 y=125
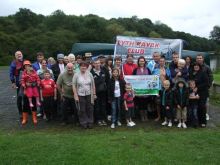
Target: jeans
x=193 y=114
x=116 y=109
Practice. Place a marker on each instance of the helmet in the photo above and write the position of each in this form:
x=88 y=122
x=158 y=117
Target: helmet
x=26 y=62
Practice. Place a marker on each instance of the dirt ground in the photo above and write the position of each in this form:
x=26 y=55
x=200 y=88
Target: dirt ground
x=9 y=118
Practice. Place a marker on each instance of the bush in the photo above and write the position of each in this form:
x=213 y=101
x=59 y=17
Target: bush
x=5 y=60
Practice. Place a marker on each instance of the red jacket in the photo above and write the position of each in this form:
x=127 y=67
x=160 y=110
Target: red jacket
x=30 y=78
x=129 y=68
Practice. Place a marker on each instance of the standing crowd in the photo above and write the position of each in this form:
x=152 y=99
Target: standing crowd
x=85 y=91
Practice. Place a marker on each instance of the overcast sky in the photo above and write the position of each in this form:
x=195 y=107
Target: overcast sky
x=197 y=17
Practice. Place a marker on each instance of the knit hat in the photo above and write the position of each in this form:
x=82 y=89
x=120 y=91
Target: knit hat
x=60 y=56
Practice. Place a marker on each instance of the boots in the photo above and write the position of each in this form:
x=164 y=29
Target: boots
x=34 y=117
x=24 y=118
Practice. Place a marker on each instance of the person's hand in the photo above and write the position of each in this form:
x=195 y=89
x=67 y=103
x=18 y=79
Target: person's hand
x=55 y=98
x=126 y=109
x=42 y=99
x=13 y=85
x=95 y=97
x=167 y=107
x=179 y=74
x=76 y=98
x=178 y=106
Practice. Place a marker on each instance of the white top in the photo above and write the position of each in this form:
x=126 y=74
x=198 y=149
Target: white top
x=62 y=68
x=117 y=92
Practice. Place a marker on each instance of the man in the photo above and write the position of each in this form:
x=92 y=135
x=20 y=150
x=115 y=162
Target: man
x=15 y=69
x=64 y=86
x=207 y=70
x=129 y=66
x=101 y=84
x=173 y=66
x=59 y=67
x=37 y=65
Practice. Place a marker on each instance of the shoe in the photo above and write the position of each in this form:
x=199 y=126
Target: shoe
x=207 y=116
x=31 y=105
x=184 y=125
x=133 y=123
x=34 y=117
x=179 y=125
x=170 y=124
x=39 y=115
x=104 y=123
x=129 y=124
x=113 y=126
x=203 y=125
x=119 y=123
x=164 y=123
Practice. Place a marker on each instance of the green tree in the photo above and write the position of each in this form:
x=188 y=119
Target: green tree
x=215 y=34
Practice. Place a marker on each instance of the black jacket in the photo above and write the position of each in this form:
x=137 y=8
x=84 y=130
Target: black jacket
x=182 y=100
x=111 y=88
x=56 y=70
x=101 y=80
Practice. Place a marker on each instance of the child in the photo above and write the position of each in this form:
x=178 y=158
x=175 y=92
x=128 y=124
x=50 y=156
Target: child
x=30 y=82
x=115 y=95
x=181 y=71
x=181 y=102
x=166 y=95
x=193 y=102
x=129 y=105
x=48 y=94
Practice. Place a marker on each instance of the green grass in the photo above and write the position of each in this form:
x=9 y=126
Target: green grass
x=140 y=145
x=217 y=78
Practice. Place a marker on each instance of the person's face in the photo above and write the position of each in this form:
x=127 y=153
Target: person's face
x=156 y=57
x=180 y=85
x=66 y=61
x=70 y=69
x=128 y=88
x=166 y=85
x=118 y=62
x=109 y=62
x=162 y=62
x=60 y=60
x=196 y=68
x=83 y=68
x=199 y=60
x=72 y=60
x=192 y=85
x=181 y=65
x=79 y=60
x=188 y=61
x=97 y=64
x=115 y=73
x=175 y=58
x=44 y=64
x=27 y=67
x=46 y=75
x=40 y=58
x=141 y=62
x=130 y=60
x=18 y=55
x=102 y=61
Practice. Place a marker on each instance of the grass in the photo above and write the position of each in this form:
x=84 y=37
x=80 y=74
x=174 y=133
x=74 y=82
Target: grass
x=140 y=145
x=216 y=75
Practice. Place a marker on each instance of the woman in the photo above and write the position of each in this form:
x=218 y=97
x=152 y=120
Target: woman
x=109 y=65
x=141 y=101
x=201 y=80
x=118 y=65
x=189 y=65
x=44 y=67
x=129 y=66
x=84 y=95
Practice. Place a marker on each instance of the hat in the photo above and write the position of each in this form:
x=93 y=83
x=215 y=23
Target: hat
x=60 y=56
x=26 y=62
x=88 y=54
x=181 y=80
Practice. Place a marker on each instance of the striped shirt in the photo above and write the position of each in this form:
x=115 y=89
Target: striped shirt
x=129 y=98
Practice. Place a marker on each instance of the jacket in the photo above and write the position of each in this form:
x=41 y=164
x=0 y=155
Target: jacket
x=181 y=99
x=168 y=98
x=14 y=71
x=33 y=79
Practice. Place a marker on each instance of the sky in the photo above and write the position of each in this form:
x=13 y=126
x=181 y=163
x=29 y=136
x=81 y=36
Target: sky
x=197 y=17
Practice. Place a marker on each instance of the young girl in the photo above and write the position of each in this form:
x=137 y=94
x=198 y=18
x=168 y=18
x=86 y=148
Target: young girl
x=48 y=93
x=166 y=95
x=30 y=82
x=193 y=103
x=115 y=95
x=129 y=105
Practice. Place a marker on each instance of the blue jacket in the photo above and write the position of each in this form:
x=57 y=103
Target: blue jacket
x=36 y=66
x=14 y=73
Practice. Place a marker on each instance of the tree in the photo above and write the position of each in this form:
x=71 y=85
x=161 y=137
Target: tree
x=215 y=34
x=154 y=34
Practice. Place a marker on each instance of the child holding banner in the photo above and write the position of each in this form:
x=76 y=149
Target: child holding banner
x=129 y=105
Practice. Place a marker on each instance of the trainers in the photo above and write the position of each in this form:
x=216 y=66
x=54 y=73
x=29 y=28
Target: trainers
x=113 y=126
x=129 y=124
x=170 y=124
x=132 y=123
x=119 y=123
x=164 y=123
x=99 y=123
x=179 y=125
x=39 y=115
x=184 y=125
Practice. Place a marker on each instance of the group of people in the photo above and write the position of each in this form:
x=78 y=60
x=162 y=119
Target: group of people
x=89 y=91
